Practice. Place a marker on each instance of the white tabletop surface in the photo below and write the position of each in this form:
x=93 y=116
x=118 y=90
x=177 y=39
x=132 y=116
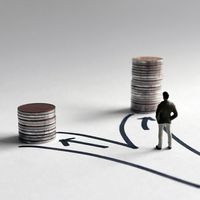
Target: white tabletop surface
x=77 y=56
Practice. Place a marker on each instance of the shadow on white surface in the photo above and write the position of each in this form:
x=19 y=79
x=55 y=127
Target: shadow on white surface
x=9 y=141
x=100 y=114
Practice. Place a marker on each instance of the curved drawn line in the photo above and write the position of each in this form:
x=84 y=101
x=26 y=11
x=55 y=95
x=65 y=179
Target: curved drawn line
x=97 y=138
x=185 y=145
x=89 y=144
x=144 y=124
x=118 y=161
x=145 y=121
x=123 y=133
x=178 y=140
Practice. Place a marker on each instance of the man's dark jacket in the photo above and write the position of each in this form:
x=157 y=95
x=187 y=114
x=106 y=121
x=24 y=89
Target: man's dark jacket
x=164 y=111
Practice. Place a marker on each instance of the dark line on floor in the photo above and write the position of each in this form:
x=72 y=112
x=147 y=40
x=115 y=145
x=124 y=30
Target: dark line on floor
x=65 y=142
x=123 y=133
x=97 y=138
x=89 y=144
x=118 y=161
x=144 y=124
x=185 y=145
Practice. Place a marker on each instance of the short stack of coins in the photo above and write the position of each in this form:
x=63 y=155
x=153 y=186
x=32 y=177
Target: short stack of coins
x=146 y=84
x=36 y=122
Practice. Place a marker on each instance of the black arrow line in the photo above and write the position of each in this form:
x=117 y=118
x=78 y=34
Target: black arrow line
x=144 y=122
x=66 y=142
x=123 y=133
x=119 y=161
x=185 y=145
x=178 y=140
x=96 y=138
x=128 y=144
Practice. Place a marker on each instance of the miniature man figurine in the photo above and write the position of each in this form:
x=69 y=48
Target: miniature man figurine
x=164 y=117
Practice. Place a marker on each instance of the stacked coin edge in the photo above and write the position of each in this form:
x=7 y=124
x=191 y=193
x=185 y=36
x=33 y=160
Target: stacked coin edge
x=36 y=126
x=146 y=84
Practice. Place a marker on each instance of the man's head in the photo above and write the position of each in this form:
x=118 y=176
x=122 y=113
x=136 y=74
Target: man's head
x=165 y=95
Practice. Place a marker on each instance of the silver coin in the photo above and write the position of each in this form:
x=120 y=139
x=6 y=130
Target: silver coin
x=150 y=85
x=36 y=128
x=37 y=141
x=145 y=93
x=147 y=64
x=146 y=104
x=40 y=117
x=142 y=101
x=38 y=133
x=148 y=67
x=147 y=60
x=146 y=89
x=37 y=123
x=36 y=114
x=143 y=106
x=146 y=71
x=144 y=96
x=36 y=137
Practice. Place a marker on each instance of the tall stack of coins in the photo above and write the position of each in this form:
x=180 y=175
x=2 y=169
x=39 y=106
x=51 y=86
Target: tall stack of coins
x=146 y=84
x=37 y=122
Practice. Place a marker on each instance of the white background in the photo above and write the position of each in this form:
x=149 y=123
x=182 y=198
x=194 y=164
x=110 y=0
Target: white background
x=77 y=55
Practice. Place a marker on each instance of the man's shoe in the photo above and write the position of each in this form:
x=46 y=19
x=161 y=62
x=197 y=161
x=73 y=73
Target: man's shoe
x=169 y=147
x=157 y=147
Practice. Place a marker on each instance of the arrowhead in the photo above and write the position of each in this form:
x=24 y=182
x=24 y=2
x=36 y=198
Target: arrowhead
x=144 y=122
x=147 y=118
x=65 y=142
x=152 y=119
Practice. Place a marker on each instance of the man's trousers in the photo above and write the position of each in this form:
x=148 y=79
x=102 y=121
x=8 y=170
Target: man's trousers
x=166 y=127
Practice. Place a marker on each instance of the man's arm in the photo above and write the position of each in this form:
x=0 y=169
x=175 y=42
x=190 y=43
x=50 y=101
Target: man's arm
x=158 y=113
x=175 y=113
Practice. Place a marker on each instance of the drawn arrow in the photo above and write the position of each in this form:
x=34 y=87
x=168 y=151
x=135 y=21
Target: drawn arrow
x=128 y=143
x=98 y=138
x=144 y=122
x=65 y=142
